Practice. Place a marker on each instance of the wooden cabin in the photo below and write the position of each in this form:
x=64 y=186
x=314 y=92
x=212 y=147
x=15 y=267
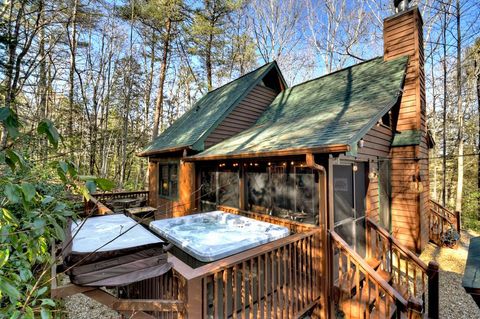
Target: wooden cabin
x=341 y=160
x=255 y=143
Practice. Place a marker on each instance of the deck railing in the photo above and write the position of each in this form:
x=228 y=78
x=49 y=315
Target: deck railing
x=119 y=195
x=97 y=203
x=280 y=279
x=360 y=292
x=407 y=273
x=440 y=220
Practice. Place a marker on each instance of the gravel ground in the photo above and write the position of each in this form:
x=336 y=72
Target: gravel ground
x=455 y=303
x=80 y=306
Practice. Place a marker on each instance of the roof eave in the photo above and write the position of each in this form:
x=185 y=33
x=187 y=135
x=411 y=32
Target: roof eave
x=337 y=148
x=163 y=151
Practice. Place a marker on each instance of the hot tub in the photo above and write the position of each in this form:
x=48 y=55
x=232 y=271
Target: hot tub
x=215 y=235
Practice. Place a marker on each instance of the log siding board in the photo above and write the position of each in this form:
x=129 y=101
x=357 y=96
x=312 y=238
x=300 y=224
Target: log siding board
x=243 y=116
x=403 y=35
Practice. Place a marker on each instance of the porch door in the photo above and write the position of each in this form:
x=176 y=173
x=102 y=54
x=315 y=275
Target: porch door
x=349 y=193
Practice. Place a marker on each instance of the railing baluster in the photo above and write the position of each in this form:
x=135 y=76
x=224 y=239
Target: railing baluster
x=235 y=292
x=251 y=289
x=244 y=290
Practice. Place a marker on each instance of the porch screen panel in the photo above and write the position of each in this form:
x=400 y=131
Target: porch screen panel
x=208 y=193
x=343 y=192
x=283 y=198
x=283 y=191
x=228 y=190
x=258 y=191
x=219 y=188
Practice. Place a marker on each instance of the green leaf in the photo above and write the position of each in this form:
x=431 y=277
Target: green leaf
x=86 y=177
x=47 y=200
x=104 y=184
x=10 y=120
x=28 y=313
x=39 y=225
x=25 y=274
x=29 y=191
x=72 y=169
x=4 y=113
x=12 y=158
x=41 y=291
x=13 y=193
x=4 y=254
x=48 y=128
x=48 y=302
x=59 y=231
x=91 y=186
x=45 y=313
x=7 y=287
x=63 y=166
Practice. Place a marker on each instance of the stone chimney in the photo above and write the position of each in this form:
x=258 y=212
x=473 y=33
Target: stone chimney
x=403 y=36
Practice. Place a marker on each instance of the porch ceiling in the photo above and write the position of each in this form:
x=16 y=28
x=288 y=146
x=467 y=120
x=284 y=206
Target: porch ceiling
x=334 y=110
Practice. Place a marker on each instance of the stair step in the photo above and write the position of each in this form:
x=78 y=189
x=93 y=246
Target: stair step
x=385 y=275
x=351 y=309
x=402 y=289
x=380 y=311
x=373 y=262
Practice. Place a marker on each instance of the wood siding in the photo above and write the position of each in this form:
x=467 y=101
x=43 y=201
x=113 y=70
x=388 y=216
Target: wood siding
x=403 y=35
x=376 y=145
x=243 y=116
x=184 y=203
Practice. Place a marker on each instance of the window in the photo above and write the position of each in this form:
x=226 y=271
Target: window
x=168 y=180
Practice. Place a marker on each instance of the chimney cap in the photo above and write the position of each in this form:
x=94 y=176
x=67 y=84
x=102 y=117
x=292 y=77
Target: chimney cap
x=401 y=5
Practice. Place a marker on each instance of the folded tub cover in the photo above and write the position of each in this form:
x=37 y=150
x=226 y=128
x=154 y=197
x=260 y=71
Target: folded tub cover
x=112 y=250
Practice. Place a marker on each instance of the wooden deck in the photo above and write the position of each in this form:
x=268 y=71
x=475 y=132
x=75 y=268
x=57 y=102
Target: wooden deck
x=283 y=279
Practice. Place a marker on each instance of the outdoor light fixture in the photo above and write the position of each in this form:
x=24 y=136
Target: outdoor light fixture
x=355 y=167
x=361 y=143
x=292 y=163
x=372 y=175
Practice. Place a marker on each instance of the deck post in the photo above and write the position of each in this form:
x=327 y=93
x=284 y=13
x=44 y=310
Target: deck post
x=433 y=290
x=193 y=306
x=457 y=217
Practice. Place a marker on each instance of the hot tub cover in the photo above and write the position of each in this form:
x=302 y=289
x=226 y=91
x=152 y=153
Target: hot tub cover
x=215 y=235
x=112 y=250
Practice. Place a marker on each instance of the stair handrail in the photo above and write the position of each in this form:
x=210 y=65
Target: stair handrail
x=392 y=240
x=448 y=215
x=399 y=299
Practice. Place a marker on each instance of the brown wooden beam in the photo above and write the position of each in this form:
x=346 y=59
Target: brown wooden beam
x=69 y=290
x=341 y=148
x=109 y=300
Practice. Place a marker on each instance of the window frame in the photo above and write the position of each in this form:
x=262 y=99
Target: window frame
x=170 y=181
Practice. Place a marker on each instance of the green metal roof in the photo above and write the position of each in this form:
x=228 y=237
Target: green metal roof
x=336 y=109
x=405 y=138
x=192 y=128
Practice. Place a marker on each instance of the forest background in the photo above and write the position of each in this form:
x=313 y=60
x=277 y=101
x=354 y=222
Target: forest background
x=110 y=75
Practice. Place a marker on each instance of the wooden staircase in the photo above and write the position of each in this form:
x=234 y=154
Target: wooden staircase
x=391 y=282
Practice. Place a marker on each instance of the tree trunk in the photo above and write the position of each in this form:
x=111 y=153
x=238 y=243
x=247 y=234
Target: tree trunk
x=458 y=202
x=158 y=117
x=208 y=61
x=71 y=87
x=477 y=69
x=444 y=151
